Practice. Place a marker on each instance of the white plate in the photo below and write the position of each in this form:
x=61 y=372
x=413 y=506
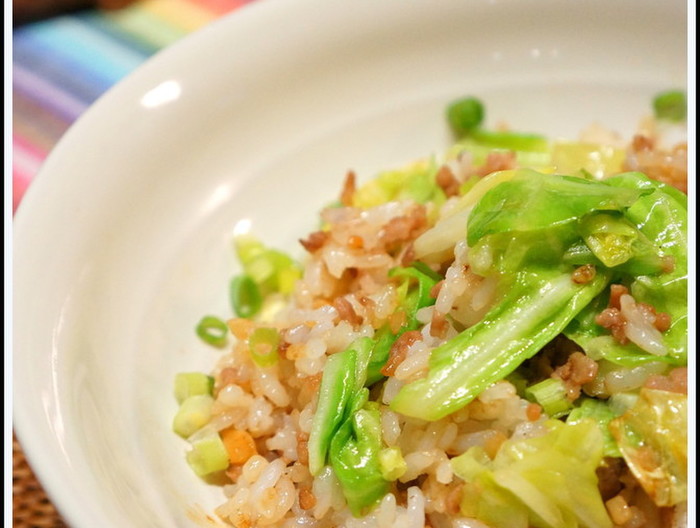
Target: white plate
x=123 y=241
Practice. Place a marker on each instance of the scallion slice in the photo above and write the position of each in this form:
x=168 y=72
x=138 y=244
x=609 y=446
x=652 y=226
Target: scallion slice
x=193 y=414
x=551 y=395
x=212 y=330
x=263 y=344
x=245 y=296
x=208 y=455
x=192 y=384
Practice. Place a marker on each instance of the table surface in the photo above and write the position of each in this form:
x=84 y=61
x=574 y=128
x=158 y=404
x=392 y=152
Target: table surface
x=60 y=66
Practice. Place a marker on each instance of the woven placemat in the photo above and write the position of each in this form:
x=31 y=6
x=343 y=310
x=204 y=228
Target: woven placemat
x=30 y=505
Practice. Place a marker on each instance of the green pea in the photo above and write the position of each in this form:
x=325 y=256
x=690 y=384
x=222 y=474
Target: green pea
x=671 y=106
x=465 y=115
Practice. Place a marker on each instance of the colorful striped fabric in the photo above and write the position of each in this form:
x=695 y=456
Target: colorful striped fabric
x=63 y=64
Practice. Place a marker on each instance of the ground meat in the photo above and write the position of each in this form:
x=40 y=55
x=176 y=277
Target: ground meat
x=435 y=290
x=662 y=320
x=283 y=347
x=447 y=181
x=676 y=381
x=348 y=191
x=553 y=354
x=315 y=241
x=439 y=325
x=453 y=499
x=309 y=387
x=583 y=274
x=641 y=143
x=346 y=312
x=497 y=161
x=399 y=350
x=407 y=255
x=614 y=319
x=404 y=228
x=616 y=291
x=608 y=474
x=667 y=166
x=578 y=370
x=303 y=448
x=307 y=500
x=397 y=320
x=633 y=505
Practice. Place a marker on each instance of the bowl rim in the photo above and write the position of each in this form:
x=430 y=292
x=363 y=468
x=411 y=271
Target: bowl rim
x=26 y=427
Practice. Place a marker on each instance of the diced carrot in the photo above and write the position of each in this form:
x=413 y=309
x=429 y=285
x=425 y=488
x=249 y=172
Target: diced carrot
x=533 y=412
x=239 y=445
x=356 y=242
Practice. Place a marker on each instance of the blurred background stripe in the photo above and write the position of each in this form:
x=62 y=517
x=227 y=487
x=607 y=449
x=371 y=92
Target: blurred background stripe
x=62 y=65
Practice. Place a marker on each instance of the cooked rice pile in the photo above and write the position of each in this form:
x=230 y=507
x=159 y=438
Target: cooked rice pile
x=345 y=294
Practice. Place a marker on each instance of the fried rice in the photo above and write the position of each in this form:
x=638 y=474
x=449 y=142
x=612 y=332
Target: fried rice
x=266 y=410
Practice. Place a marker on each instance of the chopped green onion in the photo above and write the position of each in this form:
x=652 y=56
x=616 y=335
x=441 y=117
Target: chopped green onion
x=263 y=344
x=392 y=463
x=212 y=331
x=192 y=384
x=671 y=106
x=248 y=248
x=208 y=455
x=262 y=269
x=245 y=296
x=465 y=115
x=551 y=395
x=287 y=277
x=193 y=414
x=269 y=269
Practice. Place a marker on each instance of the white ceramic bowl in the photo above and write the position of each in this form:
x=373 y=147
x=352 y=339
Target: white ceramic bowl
x=123 y=241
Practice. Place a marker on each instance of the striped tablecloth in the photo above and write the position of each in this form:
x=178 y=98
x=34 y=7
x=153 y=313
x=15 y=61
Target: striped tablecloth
x=63 y=64
x=60 y=67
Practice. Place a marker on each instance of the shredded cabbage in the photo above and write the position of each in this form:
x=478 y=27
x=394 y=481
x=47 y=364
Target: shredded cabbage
x=653 y=439
x=546 y=482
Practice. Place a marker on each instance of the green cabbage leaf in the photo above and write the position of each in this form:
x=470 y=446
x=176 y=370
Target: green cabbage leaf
x=545 y=482
x=653 y=439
